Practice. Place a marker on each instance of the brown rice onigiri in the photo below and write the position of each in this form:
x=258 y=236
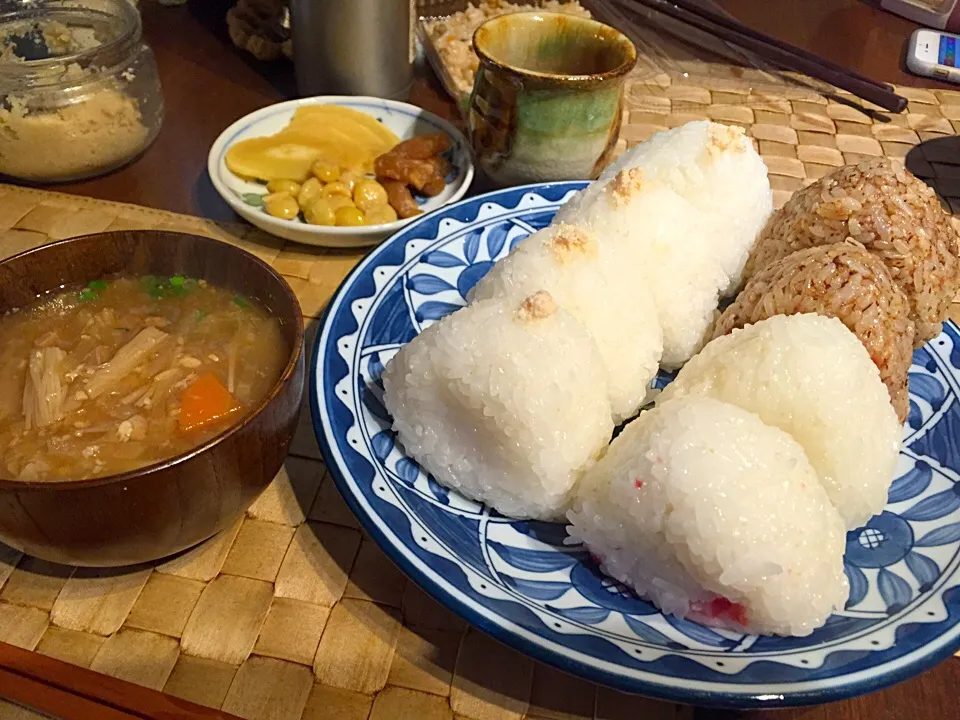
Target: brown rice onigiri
x=892 y=214
x=844 y=281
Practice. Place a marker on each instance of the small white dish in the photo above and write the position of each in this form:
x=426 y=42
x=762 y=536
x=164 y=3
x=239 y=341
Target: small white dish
x=403 y=119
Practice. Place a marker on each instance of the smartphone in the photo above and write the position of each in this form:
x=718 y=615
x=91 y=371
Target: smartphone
x=933 y=53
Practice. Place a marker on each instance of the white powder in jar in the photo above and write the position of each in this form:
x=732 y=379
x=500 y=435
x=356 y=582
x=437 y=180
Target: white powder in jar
x=100 y=132
x=47 y=135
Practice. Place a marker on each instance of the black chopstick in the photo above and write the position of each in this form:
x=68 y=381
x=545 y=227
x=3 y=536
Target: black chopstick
x=781 y=53
x=738 y=27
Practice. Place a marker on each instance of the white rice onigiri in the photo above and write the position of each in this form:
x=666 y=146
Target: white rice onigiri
x=717 y=517
x=716 y=168
x=811 y=377
x=567 y=262
x=504 y=402
x=653 y=236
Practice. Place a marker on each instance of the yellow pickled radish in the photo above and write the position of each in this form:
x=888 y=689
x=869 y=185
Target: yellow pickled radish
x=380 y=215
x=368 y=194
x=280 y=157
x=284 y=186
x=309 y=116
x=350 y=216
x=309 y=191
x=335 y=188
x=281 y=205
x=325 y=172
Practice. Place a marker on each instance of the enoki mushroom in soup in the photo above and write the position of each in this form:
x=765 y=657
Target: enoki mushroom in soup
x=126 y=372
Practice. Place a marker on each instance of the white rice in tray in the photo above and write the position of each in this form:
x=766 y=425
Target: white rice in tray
x=619 y=313
x=504 y=402
x=452 y=36
x=811 y=377
x=717 y=517
x=844 y=281
x=653 y=236
x=716 y=168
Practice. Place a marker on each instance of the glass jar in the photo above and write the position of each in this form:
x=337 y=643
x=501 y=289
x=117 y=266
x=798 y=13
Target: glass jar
x=79 y=90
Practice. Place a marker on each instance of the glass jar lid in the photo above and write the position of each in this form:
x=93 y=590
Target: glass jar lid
x=54 y=42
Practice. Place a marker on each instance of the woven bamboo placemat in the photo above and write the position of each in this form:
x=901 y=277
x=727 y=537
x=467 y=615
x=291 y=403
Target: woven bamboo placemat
x=294 y=612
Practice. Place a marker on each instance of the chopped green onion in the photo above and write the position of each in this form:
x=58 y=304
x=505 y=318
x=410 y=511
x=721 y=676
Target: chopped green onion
x=241 y=301
x=86 y=295
x=98 y=285
x=161 y=287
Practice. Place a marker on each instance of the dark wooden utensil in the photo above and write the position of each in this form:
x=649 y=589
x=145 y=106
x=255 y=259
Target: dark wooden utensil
x=779 y=52
x=69 y=692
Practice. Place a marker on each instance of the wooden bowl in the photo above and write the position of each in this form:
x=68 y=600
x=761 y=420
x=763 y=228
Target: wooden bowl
x=161 y=509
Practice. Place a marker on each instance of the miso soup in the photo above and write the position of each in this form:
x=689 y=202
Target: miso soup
x=128 y=371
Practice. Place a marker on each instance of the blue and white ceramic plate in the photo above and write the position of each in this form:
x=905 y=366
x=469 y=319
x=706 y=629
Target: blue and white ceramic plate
x=519 y=582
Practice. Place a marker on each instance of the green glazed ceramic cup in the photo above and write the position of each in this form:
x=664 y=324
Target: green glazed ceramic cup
x=546 y=102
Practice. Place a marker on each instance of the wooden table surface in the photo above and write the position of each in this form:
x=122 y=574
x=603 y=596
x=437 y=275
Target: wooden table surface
x=208 y=84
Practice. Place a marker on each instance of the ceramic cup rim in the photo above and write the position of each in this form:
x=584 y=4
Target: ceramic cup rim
x=615 y=36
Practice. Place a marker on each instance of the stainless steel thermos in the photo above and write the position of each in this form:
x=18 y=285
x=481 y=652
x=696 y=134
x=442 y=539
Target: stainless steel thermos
x=353 y=47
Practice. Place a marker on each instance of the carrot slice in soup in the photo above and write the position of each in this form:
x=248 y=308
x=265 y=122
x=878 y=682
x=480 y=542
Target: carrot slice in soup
x=205 y=401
